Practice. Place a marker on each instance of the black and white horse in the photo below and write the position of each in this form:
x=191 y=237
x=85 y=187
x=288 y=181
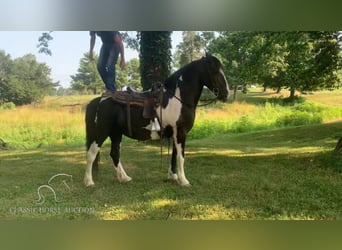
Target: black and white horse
x=181 y=94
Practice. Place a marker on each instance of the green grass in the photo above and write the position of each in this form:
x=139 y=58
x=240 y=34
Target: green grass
x=262 y=111
x=278 y=174
x=60 y=120
x=56 y=121
x=259 y=158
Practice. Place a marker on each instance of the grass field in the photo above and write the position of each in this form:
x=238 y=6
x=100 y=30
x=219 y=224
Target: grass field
x=272 y=171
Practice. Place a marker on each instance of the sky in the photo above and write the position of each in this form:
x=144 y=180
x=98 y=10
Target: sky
x=67 y=47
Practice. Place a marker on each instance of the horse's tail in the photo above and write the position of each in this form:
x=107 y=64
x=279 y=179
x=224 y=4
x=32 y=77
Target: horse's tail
x=90 y=120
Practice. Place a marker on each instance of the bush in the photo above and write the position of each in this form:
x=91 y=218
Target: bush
x=244 y=124
x=7 y=105
x=298 y=118
x=286 y=101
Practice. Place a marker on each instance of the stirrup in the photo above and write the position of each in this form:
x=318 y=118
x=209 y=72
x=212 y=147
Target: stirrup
x=155 y=125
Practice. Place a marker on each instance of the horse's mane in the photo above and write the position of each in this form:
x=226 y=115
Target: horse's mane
x=172 y=81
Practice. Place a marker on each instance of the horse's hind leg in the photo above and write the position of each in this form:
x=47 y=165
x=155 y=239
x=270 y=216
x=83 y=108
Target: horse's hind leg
x=93 y=146
x=95 y=168
x=91 y=156
x=115 y=154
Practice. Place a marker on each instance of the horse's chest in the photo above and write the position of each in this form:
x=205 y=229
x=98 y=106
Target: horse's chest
x=171 y=113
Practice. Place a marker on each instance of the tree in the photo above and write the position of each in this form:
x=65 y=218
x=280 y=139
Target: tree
x=190 y=49
x=310 y=60
x=87 y=78
x=240 y=52
x=299 y=61
x=24 y=80
x=43 y=43
x=6 y=65
x=133 y=73
x=155 y=56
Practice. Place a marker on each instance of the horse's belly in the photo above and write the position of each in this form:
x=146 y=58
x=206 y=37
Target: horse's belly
x=143 y=131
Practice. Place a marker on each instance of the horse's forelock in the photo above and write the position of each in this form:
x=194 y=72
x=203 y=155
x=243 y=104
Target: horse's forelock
x=214 y=63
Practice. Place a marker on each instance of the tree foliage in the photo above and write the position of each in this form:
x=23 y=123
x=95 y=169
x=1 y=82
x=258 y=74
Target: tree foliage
x=88 y=81
x=298 y=61
x=23 y=80
x=192 y=47
x=43 y=43
x=87 y=78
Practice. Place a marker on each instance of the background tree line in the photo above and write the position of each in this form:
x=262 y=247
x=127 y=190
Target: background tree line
x=23 y=80
x=297 y=61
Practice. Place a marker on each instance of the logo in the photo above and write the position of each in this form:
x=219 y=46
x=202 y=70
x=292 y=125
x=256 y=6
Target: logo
x=50 y=187
x=54 y=189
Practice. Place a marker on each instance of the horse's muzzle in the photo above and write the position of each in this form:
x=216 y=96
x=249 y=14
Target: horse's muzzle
x=223 y=97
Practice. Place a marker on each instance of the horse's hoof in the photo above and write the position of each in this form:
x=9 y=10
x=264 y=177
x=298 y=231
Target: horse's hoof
x=88 y=183
x=125 y=179
x=187 y=185
x=172 y=176
x=184 y=183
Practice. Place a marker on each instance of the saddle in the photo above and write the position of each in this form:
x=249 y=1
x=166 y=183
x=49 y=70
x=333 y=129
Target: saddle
x=148 y=100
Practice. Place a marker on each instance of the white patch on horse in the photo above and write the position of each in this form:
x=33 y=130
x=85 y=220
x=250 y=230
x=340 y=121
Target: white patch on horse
x=154 y=127
x=91 y=155
x=171 y=113
x=171 y=175
x=121 y=174
x=181 y=78
x=155 y=135
x=180 y=163
x=103 y=98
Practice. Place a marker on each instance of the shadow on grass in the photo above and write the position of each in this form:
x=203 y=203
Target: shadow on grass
x=256 y=98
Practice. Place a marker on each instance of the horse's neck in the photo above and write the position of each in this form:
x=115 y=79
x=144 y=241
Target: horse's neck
x=190 y=81
x=191 y=89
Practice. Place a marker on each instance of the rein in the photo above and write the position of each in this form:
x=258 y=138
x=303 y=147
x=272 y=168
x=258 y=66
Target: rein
x=210 y=101
x=206 y=101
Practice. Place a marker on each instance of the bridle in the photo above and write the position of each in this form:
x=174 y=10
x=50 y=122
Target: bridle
x=206 y=102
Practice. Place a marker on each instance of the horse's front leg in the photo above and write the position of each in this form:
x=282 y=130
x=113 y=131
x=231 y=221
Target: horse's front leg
x=179 y=146
x=115 y=154
x=172 y=174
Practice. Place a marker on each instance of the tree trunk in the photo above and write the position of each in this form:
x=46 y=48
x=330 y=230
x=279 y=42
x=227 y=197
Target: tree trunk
x=235 y=93
x=3 y=144
x=338 y=148
x=155 y=56
x=292 y=93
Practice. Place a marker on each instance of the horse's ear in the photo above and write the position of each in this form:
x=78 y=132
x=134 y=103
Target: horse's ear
x=207 y=54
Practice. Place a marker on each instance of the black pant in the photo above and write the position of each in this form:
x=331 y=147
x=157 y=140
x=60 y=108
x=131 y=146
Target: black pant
x=106 y=64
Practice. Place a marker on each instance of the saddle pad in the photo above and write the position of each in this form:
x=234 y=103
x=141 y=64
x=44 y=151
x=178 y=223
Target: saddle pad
x=124 y=97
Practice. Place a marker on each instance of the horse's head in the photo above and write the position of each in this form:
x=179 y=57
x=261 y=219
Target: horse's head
x=216 y=80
